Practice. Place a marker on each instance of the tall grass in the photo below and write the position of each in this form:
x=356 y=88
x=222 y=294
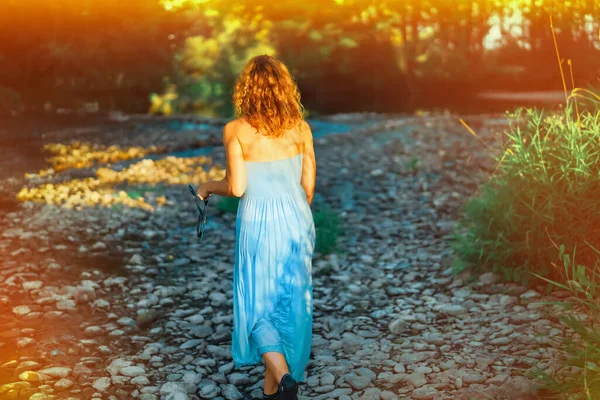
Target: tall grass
x=546 y=190
x=578 y=372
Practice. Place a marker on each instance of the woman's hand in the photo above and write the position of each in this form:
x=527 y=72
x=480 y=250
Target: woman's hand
x=203 y=192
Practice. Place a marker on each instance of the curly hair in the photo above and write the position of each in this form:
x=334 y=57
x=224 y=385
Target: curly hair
x=267 y=96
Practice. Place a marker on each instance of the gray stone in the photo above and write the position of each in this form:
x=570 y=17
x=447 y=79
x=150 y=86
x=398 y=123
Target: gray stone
x=101 y=384
x=327 y=378
x=518 y=387
x=398 y=326
x=416 y=379
x=416 y=357
x=452 y=309
x=191 y=379
x=209 y=391
x=371 y=394
x=238 y=379
x=201 y=331
x=425 y=393
x=172 y=387
x=21 y=310
x=63 y=384
x=132 y=371
x=126 y=321
x=116 y=365
x=140 y=380
x=488 y=278
x=56 y=372
x=191 y=344
x=230 y=392
x=66 y=305
x=177 y=396
x=358 y=382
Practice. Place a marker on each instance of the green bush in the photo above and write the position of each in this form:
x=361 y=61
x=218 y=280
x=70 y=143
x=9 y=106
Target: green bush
x=327 y=229
x=545 y=191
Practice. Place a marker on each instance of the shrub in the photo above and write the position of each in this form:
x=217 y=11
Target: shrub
x=327 y=229
x=545 y=192
x=228 y=204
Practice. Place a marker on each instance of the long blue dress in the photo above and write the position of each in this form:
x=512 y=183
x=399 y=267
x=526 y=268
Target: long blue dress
x=272 y=278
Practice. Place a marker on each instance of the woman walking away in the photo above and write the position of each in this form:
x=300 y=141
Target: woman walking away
x=271 y=166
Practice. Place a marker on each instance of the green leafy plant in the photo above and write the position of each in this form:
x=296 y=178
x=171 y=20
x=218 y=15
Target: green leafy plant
x=228 y=204
x=327 y=229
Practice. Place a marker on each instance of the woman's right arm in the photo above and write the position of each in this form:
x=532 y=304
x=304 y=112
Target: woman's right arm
x=309 y=164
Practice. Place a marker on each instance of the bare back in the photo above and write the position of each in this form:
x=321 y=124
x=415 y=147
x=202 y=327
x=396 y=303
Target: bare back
x=257 y=147
x=243 y=145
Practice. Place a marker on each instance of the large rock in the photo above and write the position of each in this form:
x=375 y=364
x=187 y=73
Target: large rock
x=56 y=372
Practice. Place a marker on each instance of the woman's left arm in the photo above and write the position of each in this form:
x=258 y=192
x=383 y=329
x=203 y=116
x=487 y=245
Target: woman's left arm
x=234 y=183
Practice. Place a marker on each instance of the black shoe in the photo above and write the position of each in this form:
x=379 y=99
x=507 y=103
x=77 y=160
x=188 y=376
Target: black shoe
x=274 y=396
x=288 y=388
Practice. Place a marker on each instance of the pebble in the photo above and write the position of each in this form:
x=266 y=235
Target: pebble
x=209 y=391
x=399 y=311
x=56 y=372
x=63 y=384
x=425 y=393
x=21 y=310
x=132 y=371
x=33 y=377
x=101 y=384
x=230 y=392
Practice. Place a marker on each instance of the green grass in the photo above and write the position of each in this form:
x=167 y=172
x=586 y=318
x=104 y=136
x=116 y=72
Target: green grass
x=545 y=191
x=327 y=225
x=578 y=373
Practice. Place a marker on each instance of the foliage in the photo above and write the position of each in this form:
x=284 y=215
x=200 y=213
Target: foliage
x=346 y=54
x=112 y=51
x=163 y=104
x=228 y=204
x=327 y=229
x=545 y=193
x=214 y=52
x=578 y=374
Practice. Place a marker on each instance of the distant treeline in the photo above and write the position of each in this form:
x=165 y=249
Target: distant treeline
x=346 y=55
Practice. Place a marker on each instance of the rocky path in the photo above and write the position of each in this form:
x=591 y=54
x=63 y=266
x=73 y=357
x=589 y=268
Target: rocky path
x=121 y=304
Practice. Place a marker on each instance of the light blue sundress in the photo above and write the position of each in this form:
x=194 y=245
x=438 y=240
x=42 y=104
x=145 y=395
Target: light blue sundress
x=272 y=278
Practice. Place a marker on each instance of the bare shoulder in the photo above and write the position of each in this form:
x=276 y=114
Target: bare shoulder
x=232 y=129
x=305 y=132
